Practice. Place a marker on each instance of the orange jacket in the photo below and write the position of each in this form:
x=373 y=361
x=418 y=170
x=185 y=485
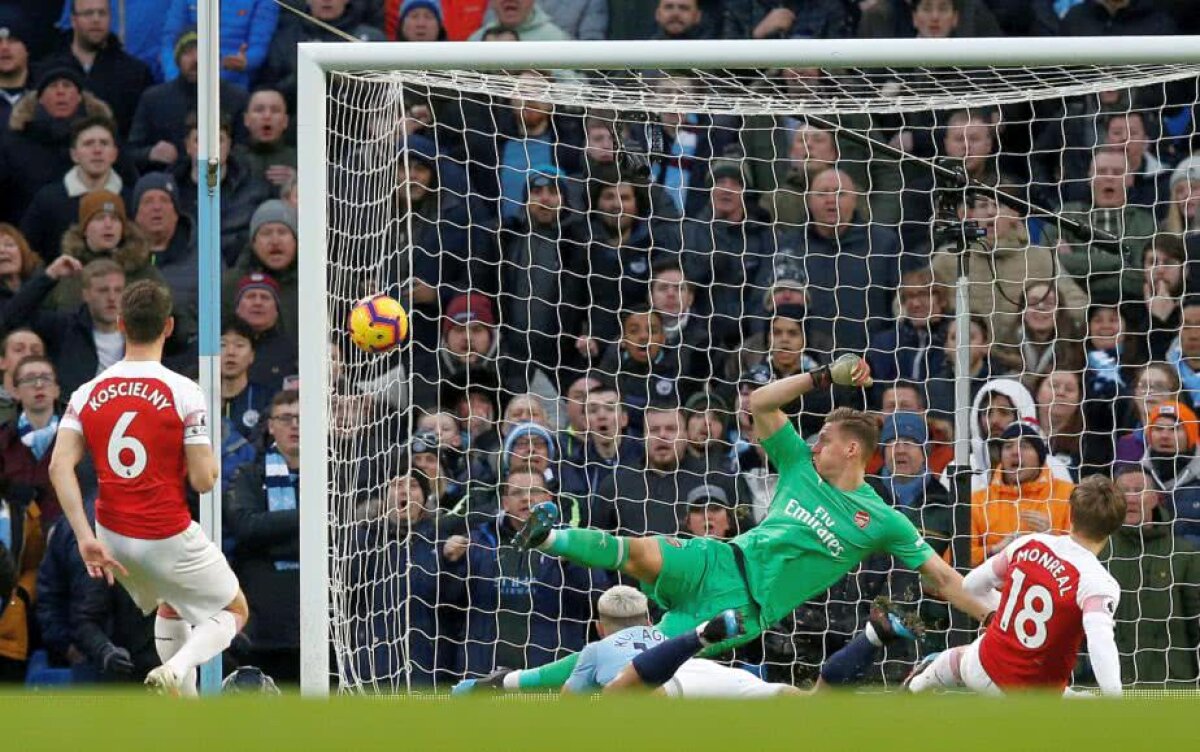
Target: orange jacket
x=996 y=510
x=27 y=555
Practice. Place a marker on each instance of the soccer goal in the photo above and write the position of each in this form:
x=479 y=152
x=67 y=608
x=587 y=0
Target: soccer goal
x=682 y=221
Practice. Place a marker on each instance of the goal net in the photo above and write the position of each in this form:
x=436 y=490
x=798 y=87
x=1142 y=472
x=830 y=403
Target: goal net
x=601 y=263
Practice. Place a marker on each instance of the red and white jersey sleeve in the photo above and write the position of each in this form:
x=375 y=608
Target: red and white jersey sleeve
x=136 y=417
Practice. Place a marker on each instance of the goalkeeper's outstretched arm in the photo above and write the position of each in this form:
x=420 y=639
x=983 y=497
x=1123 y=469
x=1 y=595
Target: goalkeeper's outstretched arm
x=949 y=585
x=767 y=402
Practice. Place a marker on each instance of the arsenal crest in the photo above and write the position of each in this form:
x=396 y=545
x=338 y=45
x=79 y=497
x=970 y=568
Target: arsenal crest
x=862 y=519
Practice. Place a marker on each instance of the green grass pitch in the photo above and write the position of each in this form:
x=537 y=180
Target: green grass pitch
x=874 y=723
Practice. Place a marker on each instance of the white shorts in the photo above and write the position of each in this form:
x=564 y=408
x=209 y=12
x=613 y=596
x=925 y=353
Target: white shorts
x=699 y=678
x=186 y=572
x=972 y=674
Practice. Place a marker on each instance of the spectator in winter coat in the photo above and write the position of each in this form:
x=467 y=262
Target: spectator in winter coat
x=574 y=436
x=684 y=327
x=103 y=231
x=157 y=137
x=27 y=471
x=447 y=241
x=82 y=342
x=1108 y=209
x=14 y=61
x=246 y=403
x=603 y=447
x=789 y=354
x=264 y=520
x=279 y=71
x=729 y=246
x=272 y=250
x=17 y=344
x=170 y=236
x=1164 y=272
x=403 y=533
x=1000 y=404
x=914 y=347
x=56 y=205
x=525 y=17
x=523 y=609
x=650 y=498
x=1096 y=18
x=257 y=303
x=247 y=27
x=1158 y=616
x=266 y=152
x=35 y=150
x=1022 y=495
x=98 y=56
x=1155 y=384
x=645 y=371
x=18 y=263
x=241 y=191
x=577 y=19
x=1173 y=460
x=26 y=442
x=138 y=23
x=862 y=259
x=623 y=253
x=545 y=295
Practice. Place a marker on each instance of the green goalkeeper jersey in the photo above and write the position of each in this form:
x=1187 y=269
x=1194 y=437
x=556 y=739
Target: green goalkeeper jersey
x=814 y=534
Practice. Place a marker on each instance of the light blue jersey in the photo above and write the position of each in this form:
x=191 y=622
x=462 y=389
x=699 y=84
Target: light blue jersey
x=600 y=662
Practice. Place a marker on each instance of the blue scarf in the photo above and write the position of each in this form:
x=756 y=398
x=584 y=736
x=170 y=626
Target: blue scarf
x=1189 y=378
x=907 y=492
x=37 y=439
x=281 y=484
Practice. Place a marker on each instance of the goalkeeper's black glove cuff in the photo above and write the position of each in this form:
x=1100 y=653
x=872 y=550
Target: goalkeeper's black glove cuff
x=821 y=377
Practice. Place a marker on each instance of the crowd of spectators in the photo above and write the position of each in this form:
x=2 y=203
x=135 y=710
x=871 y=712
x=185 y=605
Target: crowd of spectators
x=587 y=326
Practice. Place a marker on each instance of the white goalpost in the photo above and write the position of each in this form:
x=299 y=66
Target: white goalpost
x=900 y=122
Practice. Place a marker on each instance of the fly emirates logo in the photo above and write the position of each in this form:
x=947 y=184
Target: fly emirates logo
x=138 y=389
x=820 y=522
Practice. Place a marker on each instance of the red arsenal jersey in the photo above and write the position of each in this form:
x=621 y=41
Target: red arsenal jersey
x=1049 y=582
x=136 y=417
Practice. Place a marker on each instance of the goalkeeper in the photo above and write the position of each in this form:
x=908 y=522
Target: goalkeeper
x=823 y=521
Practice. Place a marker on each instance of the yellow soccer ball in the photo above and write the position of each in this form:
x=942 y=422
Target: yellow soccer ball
x=378 y=324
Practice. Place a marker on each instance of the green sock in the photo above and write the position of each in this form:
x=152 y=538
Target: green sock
x=591 y=548
x=550 y=676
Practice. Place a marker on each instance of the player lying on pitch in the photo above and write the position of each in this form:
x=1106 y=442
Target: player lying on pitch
x=1049 y=591
x=634 y=655
x=823 y=521
x=146 y=428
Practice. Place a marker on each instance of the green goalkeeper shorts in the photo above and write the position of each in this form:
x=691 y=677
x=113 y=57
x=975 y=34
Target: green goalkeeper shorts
x=700 y=579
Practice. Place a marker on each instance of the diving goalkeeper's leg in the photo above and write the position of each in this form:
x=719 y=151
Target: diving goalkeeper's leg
x=654 y=667
x=885 y=625
x=636 y=557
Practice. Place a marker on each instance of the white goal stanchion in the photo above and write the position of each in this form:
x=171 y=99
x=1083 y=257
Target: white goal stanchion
x=682 y=221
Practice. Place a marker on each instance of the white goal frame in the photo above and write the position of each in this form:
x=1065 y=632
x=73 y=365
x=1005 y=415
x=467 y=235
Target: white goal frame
x=315 y=60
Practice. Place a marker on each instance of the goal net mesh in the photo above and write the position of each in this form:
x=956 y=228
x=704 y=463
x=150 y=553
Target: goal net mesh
x=600 y=266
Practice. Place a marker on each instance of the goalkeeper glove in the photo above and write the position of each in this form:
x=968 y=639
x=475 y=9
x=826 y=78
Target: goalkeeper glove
x=845 y=371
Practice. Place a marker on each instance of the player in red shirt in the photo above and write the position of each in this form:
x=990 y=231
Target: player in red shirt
x=146 y=429
x=1049 y=591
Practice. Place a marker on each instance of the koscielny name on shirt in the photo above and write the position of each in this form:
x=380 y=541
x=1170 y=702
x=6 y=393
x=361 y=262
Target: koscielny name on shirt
x=1050 y=563
x=138 y=389
x=820 y=522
